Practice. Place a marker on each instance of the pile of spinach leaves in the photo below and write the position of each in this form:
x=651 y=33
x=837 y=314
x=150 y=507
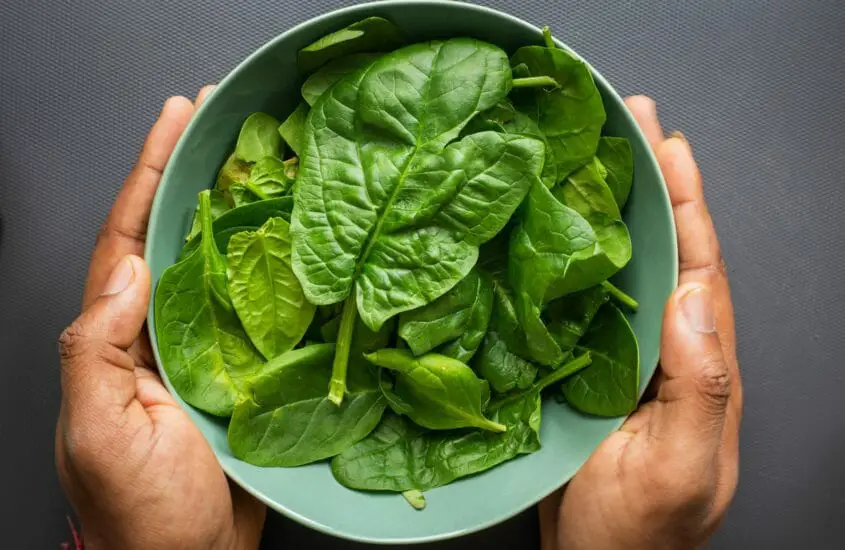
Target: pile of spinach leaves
x=392 y=275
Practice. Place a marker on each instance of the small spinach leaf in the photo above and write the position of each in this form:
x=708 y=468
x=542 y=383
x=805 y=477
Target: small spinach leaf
x=571 y=116
x=258 y=138
x=616 y=156
x=373 y=34
x=265 y=293
x=401 y=456
x=202 y=345
x=234 y=171
x=293 y=128
x=331 y=72
x=441 y=393
x=287 y=419
x=568 y=318
x=248 y=217
x=453 y=325
x=610 y=385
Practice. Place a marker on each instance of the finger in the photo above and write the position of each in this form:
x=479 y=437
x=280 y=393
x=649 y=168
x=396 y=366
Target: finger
x=698 y=246
x=644 y=110
x=249 y=515
x=124 y=231
x=697 y=386
x=98 y=375
x=203 y=94
x=547 y=512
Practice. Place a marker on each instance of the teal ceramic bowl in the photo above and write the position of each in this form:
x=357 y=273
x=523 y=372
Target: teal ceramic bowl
x=266 y=81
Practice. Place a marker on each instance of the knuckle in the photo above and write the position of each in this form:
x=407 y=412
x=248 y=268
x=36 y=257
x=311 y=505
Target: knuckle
x=73 y=341
x=714 y=384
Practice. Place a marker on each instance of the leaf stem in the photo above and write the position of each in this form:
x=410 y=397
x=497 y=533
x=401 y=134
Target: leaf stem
x=547 y=38
x=620 y=296
x=567 y=370
x=534 y=82
x=337 y=385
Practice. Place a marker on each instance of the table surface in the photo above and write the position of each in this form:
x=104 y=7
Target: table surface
x=757 y=87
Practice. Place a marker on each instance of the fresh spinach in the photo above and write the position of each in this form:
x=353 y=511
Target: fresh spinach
x=219 y=205
x=258 y=138
x=317 y=84
x=437 y=392
x=202 y=345
x=380 y=186
x=248 y=217
x=401 y=456
x=568 y=318
x=616 y=156
x=265 y=293
x=453 y=325
x=293 y=128
x=286 y=418
x=373 y=34
x=610 y=385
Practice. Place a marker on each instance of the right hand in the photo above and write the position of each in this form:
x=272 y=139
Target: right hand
x=138 y=472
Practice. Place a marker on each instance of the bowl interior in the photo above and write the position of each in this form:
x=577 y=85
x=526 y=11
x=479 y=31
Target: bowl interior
x=266 y=81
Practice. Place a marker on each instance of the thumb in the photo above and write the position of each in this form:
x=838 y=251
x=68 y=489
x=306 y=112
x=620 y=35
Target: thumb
x=97 y=371
x=697 y=385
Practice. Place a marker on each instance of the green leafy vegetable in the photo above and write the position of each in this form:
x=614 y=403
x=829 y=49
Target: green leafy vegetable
x=610 y=385
x=203 y=347
x=373 y=34
x=293 y=128
x=569 y=317
x=453 y=325
x=219 y=205
x=415 y=498
x=265 y=293
x=401 y=456
x=616 y=156
x=234 y=171
x=258 y=138
x=572 y=115
x=331 y=72
x=287 y=419
x=441 y=393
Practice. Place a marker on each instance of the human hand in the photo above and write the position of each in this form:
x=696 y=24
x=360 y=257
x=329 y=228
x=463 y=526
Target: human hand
x=665 y=479
x=138 y=472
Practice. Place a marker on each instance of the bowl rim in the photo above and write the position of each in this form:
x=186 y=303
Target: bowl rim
x=158 y=205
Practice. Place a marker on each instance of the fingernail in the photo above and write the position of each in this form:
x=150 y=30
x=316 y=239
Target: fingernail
x=678 y=135
x=120 y=278
x=697 y=306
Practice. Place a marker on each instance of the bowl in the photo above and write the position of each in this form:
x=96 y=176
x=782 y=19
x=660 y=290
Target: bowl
x=267 y=81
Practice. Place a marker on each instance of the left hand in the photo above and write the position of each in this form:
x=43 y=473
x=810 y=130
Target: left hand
x=136 y=469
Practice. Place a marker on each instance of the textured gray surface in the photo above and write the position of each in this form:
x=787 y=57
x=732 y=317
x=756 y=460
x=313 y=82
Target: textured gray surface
x=757 y=87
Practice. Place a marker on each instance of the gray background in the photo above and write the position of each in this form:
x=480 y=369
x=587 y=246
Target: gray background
x=757 y=87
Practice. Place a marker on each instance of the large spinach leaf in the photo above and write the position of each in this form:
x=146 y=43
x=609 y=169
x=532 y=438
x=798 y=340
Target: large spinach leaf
x=317 y=84
x=293 y=128
x=437 y=392
x=453 y=325
x=373 y=34
x=387 y=211
x=202 y=345
x=400 y=456
x=610 y=385
x=616 y=156
x=571 y=116
x=265 y=293
x=287 y=420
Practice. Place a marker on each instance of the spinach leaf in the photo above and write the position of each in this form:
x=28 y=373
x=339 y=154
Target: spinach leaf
x=401 y=456
x=248 y=217
x=616 y=156
x=373 y=34
x=572 y=115
x=293 y=128
x=501 y=359
x=317 y=84
x=572 y=367
x=568 y=318
x=287 y=419
x=269 y=177
x=219 y=205
x=384 y=203
x=265 y=293
x=453 y=325
x=202 y=345
x=609 y=386
x=234 y=171
x=258 y=138
x=504 y=118
x=441 y=393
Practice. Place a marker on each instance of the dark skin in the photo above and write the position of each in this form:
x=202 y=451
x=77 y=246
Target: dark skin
x=140 y=474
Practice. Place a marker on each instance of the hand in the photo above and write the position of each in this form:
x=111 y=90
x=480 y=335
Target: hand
x=665 y=479
x=138 y=472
